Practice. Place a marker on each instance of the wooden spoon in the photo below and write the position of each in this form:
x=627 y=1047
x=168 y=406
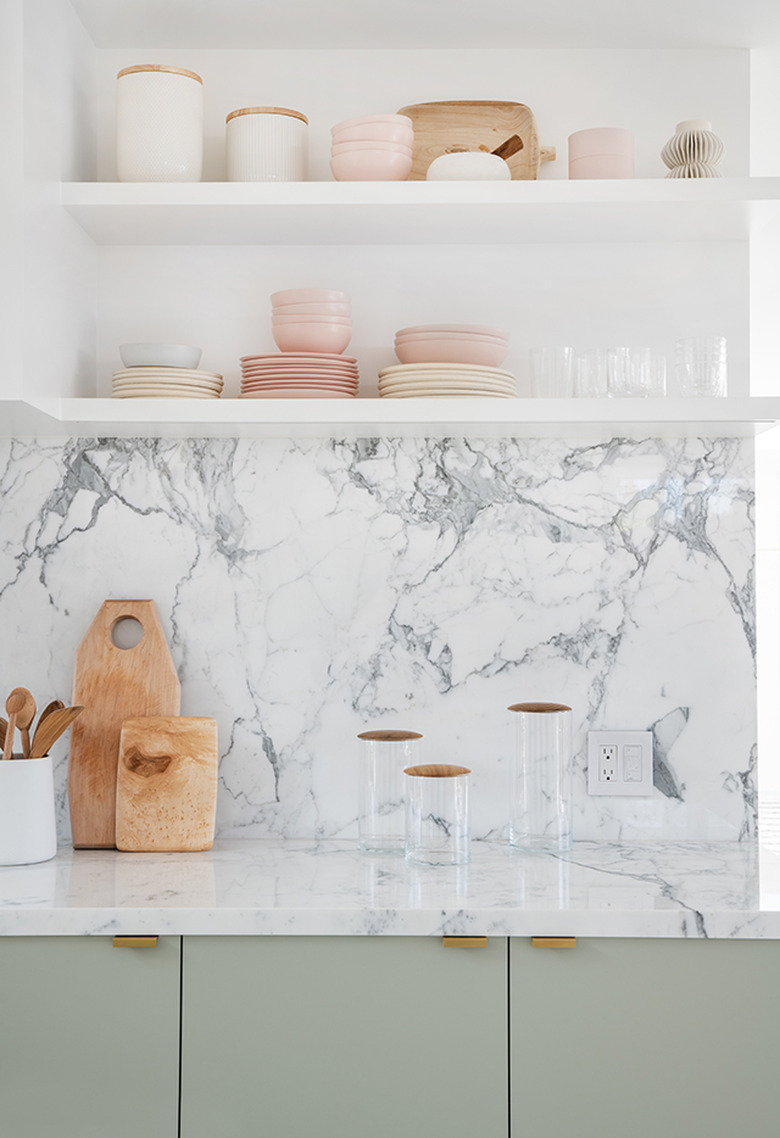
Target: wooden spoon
x=13 y=705
x=24 y=718
x=47 y=732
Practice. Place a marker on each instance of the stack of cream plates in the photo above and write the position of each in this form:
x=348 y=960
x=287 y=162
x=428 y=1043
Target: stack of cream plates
x=165 y=383
x=405 y=381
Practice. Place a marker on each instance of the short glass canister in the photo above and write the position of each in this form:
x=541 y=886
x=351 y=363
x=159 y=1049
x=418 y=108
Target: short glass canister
x=382 y=758
x=437 y=814
x=541 y=793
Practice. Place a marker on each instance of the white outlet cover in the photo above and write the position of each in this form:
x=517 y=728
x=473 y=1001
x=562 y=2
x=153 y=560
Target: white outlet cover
x=620 y=788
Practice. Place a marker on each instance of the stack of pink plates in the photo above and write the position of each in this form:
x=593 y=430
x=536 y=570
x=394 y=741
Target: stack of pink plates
x=165 y=383
x=405 y=381
x=299 y=375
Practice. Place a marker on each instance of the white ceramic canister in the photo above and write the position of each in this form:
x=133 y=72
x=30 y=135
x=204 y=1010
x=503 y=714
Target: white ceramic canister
x=266 y=144
x=28 y=831
x=601 y=152
x=159 y=124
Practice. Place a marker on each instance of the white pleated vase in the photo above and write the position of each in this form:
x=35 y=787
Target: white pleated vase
x=694 y=151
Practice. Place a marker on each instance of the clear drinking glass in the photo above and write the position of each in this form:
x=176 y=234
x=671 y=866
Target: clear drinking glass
x=437 y=814
x=619 y=372
x=382 y=758
x=590 y=373
x=551 y=371
x=541 y=798
x=701 y=366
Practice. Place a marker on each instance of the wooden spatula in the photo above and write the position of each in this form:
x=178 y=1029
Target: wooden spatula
x=49 y=730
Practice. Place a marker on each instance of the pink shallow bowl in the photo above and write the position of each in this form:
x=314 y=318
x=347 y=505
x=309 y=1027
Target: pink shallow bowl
x=296 y=393
x=371 y=166
x=358 y=147
x=452 y=352
x=308 y=296
x=364 y=120
x=312 y=309
x=312 y=337
x=458 y=329
x=376 y=131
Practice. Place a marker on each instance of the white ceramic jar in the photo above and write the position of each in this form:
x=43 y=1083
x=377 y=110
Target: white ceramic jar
x=159 y=124
x=266 y=144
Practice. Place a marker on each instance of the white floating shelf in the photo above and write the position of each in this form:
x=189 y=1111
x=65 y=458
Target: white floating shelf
x=378 y=213
x=354 y=418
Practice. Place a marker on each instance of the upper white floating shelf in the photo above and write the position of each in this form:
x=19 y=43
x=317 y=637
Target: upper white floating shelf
x=430 y=23
x=411 y=213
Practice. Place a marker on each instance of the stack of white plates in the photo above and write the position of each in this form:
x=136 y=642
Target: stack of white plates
x=299 y=375
x=165 y=383
x=405 y=381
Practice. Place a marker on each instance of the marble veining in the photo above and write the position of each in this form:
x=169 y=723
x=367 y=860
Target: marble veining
x=311 y=589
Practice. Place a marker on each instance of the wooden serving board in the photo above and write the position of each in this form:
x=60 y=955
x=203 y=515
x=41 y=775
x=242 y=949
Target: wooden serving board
x=166 y=789
x=113 y=684
x=448 y=128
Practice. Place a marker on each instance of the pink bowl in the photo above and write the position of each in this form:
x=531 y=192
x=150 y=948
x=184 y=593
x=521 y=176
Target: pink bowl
x=378 y=131
x=330 y=338
x=432 y=329
x=399 y=120
x=452 y=352
x=357 y=147
x=346 y=321
x=309 y=295
x=312 y=309
x=371 y=166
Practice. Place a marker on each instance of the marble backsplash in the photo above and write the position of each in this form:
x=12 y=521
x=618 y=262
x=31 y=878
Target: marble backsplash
x=312 y=589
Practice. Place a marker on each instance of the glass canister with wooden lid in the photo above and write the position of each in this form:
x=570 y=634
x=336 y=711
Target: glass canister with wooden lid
x=159 y=124
x=541 y=792
x=383 y=754
x=266 y=144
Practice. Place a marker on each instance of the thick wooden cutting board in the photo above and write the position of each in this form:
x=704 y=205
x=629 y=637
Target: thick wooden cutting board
x=113 y=684
x=166 y=789
x=447 y=128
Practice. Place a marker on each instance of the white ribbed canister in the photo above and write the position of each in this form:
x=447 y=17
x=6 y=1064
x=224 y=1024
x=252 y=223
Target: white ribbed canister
x=159 y=124
x=266 y=144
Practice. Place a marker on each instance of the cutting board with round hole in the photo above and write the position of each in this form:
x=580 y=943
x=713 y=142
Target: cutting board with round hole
x=468 y=124
x=113 y=684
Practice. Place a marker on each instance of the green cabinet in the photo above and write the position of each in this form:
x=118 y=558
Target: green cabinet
x=645 y=1038
x=89 y=1038
x=343 y=1037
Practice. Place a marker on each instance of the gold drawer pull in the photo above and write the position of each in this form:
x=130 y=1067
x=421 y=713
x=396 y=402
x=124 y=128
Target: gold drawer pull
x=135 y=942
x=554 y=941
x=464 y=941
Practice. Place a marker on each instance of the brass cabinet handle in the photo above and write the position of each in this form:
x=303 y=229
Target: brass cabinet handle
x=135 y=942
x=464 y=941
x=554 y=941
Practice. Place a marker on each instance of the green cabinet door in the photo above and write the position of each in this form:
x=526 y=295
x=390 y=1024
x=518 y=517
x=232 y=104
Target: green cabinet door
x=343 y=1037
x=645 y=1038
x=89 y=1038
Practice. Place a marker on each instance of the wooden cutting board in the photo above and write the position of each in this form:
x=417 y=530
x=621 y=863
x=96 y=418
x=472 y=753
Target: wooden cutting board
x=447 y=128
x=113 y=684
x=166 y=789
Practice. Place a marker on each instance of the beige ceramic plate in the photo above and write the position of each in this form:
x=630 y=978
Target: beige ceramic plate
x=164 y=373
x=163 y=393
x=447 y=381
x=467 y=370
x=119 y=384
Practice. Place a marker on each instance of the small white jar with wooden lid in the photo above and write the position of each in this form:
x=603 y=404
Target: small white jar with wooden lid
x=159 y=124
x=266 y=144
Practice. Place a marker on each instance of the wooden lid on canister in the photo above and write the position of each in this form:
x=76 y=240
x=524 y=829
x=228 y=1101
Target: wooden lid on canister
x=159 y=67
x=267 y=111
x=389 y=736
x=538 y=707
x=436 y=770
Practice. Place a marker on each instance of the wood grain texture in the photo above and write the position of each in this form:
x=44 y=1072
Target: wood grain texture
x=113 y=684
x=451 y=127
x=166 y=789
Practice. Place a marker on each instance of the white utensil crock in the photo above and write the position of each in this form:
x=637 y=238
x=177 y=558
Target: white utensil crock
x=28 y=832
x=266 y=144
x=159 y=124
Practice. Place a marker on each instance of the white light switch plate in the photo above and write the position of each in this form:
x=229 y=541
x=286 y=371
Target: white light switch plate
x=620 y=763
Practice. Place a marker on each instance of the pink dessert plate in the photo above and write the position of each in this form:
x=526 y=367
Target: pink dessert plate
x=307 y=356
x=294 y=393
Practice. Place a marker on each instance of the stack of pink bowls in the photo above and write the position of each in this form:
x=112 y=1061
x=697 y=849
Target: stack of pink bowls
x=311 y=320
x=376 y=148
x=452 y=343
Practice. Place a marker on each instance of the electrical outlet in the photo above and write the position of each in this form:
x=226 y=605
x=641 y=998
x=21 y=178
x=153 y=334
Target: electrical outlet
x=620 y=763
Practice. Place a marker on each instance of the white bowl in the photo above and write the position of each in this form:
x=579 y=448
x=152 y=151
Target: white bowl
x=468 y=166
x=160 y=355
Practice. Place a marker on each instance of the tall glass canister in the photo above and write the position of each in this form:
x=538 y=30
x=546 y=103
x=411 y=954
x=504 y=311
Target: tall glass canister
x=382 y=758
x=541 y=793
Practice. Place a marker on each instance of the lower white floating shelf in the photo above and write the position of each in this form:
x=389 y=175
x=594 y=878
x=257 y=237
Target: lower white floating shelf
x=355 y=418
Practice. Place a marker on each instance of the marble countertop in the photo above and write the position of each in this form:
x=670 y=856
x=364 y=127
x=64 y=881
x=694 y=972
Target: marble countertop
x=648 y=889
